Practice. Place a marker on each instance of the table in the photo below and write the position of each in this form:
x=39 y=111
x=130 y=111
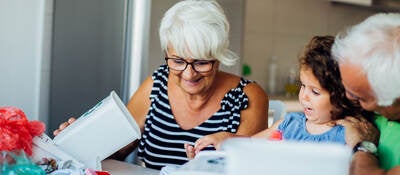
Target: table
x=116 y=167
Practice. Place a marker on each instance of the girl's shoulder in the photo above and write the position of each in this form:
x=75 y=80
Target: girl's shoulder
x=295 y=116
x=292 y=118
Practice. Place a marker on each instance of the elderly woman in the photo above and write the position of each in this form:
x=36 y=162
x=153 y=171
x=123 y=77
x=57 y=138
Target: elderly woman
x=189 y=100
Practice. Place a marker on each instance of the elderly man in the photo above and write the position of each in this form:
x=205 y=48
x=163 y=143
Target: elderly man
x=369 y=61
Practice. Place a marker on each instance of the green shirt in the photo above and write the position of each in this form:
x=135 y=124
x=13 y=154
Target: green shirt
x=389 y=142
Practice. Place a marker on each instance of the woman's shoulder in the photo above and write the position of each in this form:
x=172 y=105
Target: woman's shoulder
x=234 y=81
x=242 y=87
x=161 y=72
x=228 y=79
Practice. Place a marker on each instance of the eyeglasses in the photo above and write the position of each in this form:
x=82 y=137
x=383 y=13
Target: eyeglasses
x=180 y=64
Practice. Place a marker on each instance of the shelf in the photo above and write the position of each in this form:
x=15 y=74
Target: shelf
x=380 y=5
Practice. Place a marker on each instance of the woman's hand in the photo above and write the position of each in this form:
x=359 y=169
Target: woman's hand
x=189 y=151
x=358 y=130
x=64 y=125
x=213 y=139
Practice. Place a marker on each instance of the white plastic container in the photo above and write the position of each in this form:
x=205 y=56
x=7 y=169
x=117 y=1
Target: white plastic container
x=99 y=132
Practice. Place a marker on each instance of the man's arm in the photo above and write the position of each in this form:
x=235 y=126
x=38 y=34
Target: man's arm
x=366 y=163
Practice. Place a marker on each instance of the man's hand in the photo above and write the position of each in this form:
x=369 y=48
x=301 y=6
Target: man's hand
x=358 y=130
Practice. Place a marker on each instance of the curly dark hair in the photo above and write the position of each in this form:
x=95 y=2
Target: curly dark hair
x=317 y=57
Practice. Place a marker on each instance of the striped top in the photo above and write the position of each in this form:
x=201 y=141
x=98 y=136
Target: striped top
x=163 y=139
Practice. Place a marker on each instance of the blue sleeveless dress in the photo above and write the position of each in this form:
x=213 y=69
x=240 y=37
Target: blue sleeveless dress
x=293 y=128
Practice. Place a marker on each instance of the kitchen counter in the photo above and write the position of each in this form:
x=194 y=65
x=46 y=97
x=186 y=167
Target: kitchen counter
x=292 y=103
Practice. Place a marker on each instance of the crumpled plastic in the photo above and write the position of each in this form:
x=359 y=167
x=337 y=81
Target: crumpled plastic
x=59 y=167
x=12 y=163
x=16 y=132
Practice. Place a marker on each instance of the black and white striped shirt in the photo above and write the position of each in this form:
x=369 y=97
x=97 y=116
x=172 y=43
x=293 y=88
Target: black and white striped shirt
x=162 y=140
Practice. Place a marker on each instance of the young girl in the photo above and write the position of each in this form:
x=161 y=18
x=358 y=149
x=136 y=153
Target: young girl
x=322 y=96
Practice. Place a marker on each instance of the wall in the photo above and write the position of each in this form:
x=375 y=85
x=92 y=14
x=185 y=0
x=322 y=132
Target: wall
x=88 y=55
x=271 y=27
x=25 y=34
x=281 y=28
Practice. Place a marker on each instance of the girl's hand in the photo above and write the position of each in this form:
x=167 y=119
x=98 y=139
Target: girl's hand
x=63 y=126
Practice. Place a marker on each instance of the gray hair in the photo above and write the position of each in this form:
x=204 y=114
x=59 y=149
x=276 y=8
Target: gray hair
x=374 y=44
x=197 y=29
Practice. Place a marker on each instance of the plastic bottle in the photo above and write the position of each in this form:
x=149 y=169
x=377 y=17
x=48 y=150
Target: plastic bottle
x=291 y=87
x=273 y=67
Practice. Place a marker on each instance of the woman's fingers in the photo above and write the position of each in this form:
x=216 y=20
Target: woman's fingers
x=189 y=151
x=71 y=120
x=199 y=145
x=205 y=141
x=55 y=132
x=60 y=128
x=64 y=125
x=213 y=139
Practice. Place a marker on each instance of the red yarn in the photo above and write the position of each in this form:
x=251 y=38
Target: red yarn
x=16 y=132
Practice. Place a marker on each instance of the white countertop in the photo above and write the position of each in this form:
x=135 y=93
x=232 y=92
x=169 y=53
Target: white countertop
x=292 y=103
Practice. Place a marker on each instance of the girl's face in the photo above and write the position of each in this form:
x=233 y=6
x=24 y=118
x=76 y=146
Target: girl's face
x=314 y=99
x=191 y=81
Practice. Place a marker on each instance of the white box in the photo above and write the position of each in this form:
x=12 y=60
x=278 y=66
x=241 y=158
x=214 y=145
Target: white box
x=99 y=132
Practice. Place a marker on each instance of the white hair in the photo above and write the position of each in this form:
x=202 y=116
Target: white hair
x=374 y=44
x=197 y=29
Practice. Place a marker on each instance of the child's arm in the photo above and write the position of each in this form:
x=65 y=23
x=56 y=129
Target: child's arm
x=267 y=132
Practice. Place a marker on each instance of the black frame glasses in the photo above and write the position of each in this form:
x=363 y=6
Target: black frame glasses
x=196 y=64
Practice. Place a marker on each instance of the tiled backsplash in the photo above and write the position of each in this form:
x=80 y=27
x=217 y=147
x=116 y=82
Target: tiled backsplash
x=281 y=28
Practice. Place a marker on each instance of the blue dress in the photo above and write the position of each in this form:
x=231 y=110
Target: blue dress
x=293 y=128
